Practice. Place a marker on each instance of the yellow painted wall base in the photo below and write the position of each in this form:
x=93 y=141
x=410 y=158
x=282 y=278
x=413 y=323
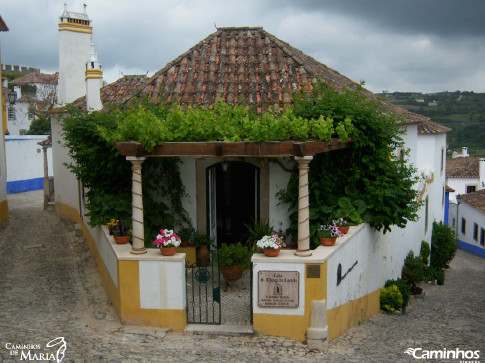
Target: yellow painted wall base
x=126 y=297
x=189 y=254
x=3 y=212
x=352 y=313
x=294 y=326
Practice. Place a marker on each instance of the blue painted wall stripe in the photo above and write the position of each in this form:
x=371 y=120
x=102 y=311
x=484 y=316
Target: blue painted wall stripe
x=476 y=250
x=20 y=186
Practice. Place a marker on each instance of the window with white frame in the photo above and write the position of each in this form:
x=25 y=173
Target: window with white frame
x=463 y=225
x=475 y=231
x=471 y=188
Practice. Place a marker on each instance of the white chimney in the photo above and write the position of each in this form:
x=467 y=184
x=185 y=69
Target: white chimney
x=464 y=151
x=482 y=174
x=94 y=79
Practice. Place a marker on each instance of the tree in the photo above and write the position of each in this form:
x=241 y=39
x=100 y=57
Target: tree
x=40 y=126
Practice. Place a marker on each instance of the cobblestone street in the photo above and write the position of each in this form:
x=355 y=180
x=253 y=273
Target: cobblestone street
x=49 y=287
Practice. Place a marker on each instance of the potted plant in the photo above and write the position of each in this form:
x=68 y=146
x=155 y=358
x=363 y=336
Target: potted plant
x=119 y=230
x=168 y=241
x=202 y=243
x=256 y=231
x=342 y=224
x=271 y=245
x=328 y=234
x=186 y=235
x=233 y=259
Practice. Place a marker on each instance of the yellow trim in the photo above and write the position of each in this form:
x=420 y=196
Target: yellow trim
x=352 y=313
x=126 y=296
x=129 y=287
x=93 y=77
x=190 y=253
x=294 y=326
x=77 y=31
x=3 y=212
x=94 y=71
x=74 y=25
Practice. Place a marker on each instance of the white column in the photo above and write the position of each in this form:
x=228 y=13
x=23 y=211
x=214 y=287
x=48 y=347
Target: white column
x=303 y=207
x=137 y=206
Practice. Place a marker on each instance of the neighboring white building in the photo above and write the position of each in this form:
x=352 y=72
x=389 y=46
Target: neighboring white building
x=465 y=175
x=3 y=166
x=468 y=221
x=36 y=94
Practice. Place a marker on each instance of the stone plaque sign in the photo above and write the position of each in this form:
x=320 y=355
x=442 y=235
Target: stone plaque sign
x=278 y=289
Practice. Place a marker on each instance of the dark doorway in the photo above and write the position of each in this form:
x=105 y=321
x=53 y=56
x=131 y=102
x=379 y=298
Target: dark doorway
x=236 y=200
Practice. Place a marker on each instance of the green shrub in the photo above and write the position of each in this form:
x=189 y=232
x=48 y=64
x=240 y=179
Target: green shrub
x=440 y=277
x=235 y=254
x=443 y=245
x=391 y=299
x=425 y=252
x=404 y=289
x=413 y=269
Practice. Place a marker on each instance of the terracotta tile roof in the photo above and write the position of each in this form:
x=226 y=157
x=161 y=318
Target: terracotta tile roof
x=449 y=189
x=428 y=127
x=242 y=66
x=117 y=92
x=35 y=77
x=475 y=199
x=466 y=167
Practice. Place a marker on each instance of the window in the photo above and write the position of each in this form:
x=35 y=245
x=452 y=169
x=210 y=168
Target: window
x=475 y=231
x=482 y=236
x=31 y=116
x=11 y=114
x=443 y=196
x=453 y=224
x=463 y=225
x=471 y=188
x=22 y=131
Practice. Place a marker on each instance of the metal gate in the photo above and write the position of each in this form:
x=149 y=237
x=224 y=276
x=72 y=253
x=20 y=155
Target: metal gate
x=203 y=288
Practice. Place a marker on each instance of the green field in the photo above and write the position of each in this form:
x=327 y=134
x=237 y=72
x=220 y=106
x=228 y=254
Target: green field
x=463 y=112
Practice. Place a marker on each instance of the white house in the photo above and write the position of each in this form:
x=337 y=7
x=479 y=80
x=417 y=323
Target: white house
x=465 y=175
x=36 y=94
x=3 y=167
x=265 y=73
x=468 y=221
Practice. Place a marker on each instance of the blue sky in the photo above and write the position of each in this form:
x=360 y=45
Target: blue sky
x=393 y=45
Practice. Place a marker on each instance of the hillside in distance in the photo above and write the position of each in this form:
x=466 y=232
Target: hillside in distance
x=463 y=112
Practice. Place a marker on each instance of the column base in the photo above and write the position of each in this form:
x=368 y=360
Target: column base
x=303 y=253
x=138 y=251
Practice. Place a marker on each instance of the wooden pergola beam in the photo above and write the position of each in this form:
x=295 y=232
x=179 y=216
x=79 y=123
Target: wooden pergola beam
x=237 y=149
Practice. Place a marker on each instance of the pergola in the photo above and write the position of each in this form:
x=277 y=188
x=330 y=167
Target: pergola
x=302 y=151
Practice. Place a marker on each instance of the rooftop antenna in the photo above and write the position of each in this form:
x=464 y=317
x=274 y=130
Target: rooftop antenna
x=84 y=8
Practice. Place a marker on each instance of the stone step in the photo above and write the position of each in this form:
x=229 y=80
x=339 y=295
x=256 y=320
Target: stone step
x=223 y=329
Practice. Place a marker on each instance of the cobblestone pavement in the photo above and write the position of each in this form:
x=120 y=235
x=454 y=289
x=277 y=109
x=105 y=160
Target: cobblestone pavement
x=49 y=287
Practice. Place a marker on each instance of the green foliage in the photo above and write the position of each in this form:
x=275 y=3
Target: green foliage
x=256 y=231
x=201 y=240
x=404 y=289
x=234 y=254
x=106 y=175
x=413 y=269
x=40 y=126
x=433 y=273
x=367 y=182
x=443 y=245
x=391 y=299
x=154 y=125
x=440 y=277
x=425 y=252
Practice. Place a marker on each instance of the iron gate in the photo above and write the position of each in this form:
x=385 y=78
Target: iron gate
x=203 y=290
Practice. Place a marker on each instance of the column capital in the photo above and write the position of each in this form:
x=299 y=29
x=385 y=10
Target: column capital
x=136 y=158
x=303 y=160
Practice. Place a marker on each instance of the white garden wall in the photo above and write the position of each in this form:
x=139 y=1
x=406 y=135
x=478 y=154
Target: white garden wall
x=25 y=163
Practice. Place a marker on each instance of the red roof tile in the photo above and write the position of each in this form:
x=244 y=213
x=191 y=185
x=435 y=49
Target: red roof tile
x=475 y=199
x=35 y=77
x=466 y=167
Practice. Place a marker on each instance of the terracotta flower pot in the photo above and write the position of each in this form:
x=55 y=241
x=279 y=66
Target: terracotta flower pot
x=203 y=255
x=232 y=273
x=121 y=240
x=344 y=230
x=168 y=251
x=270 y=252
x=327 y=241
